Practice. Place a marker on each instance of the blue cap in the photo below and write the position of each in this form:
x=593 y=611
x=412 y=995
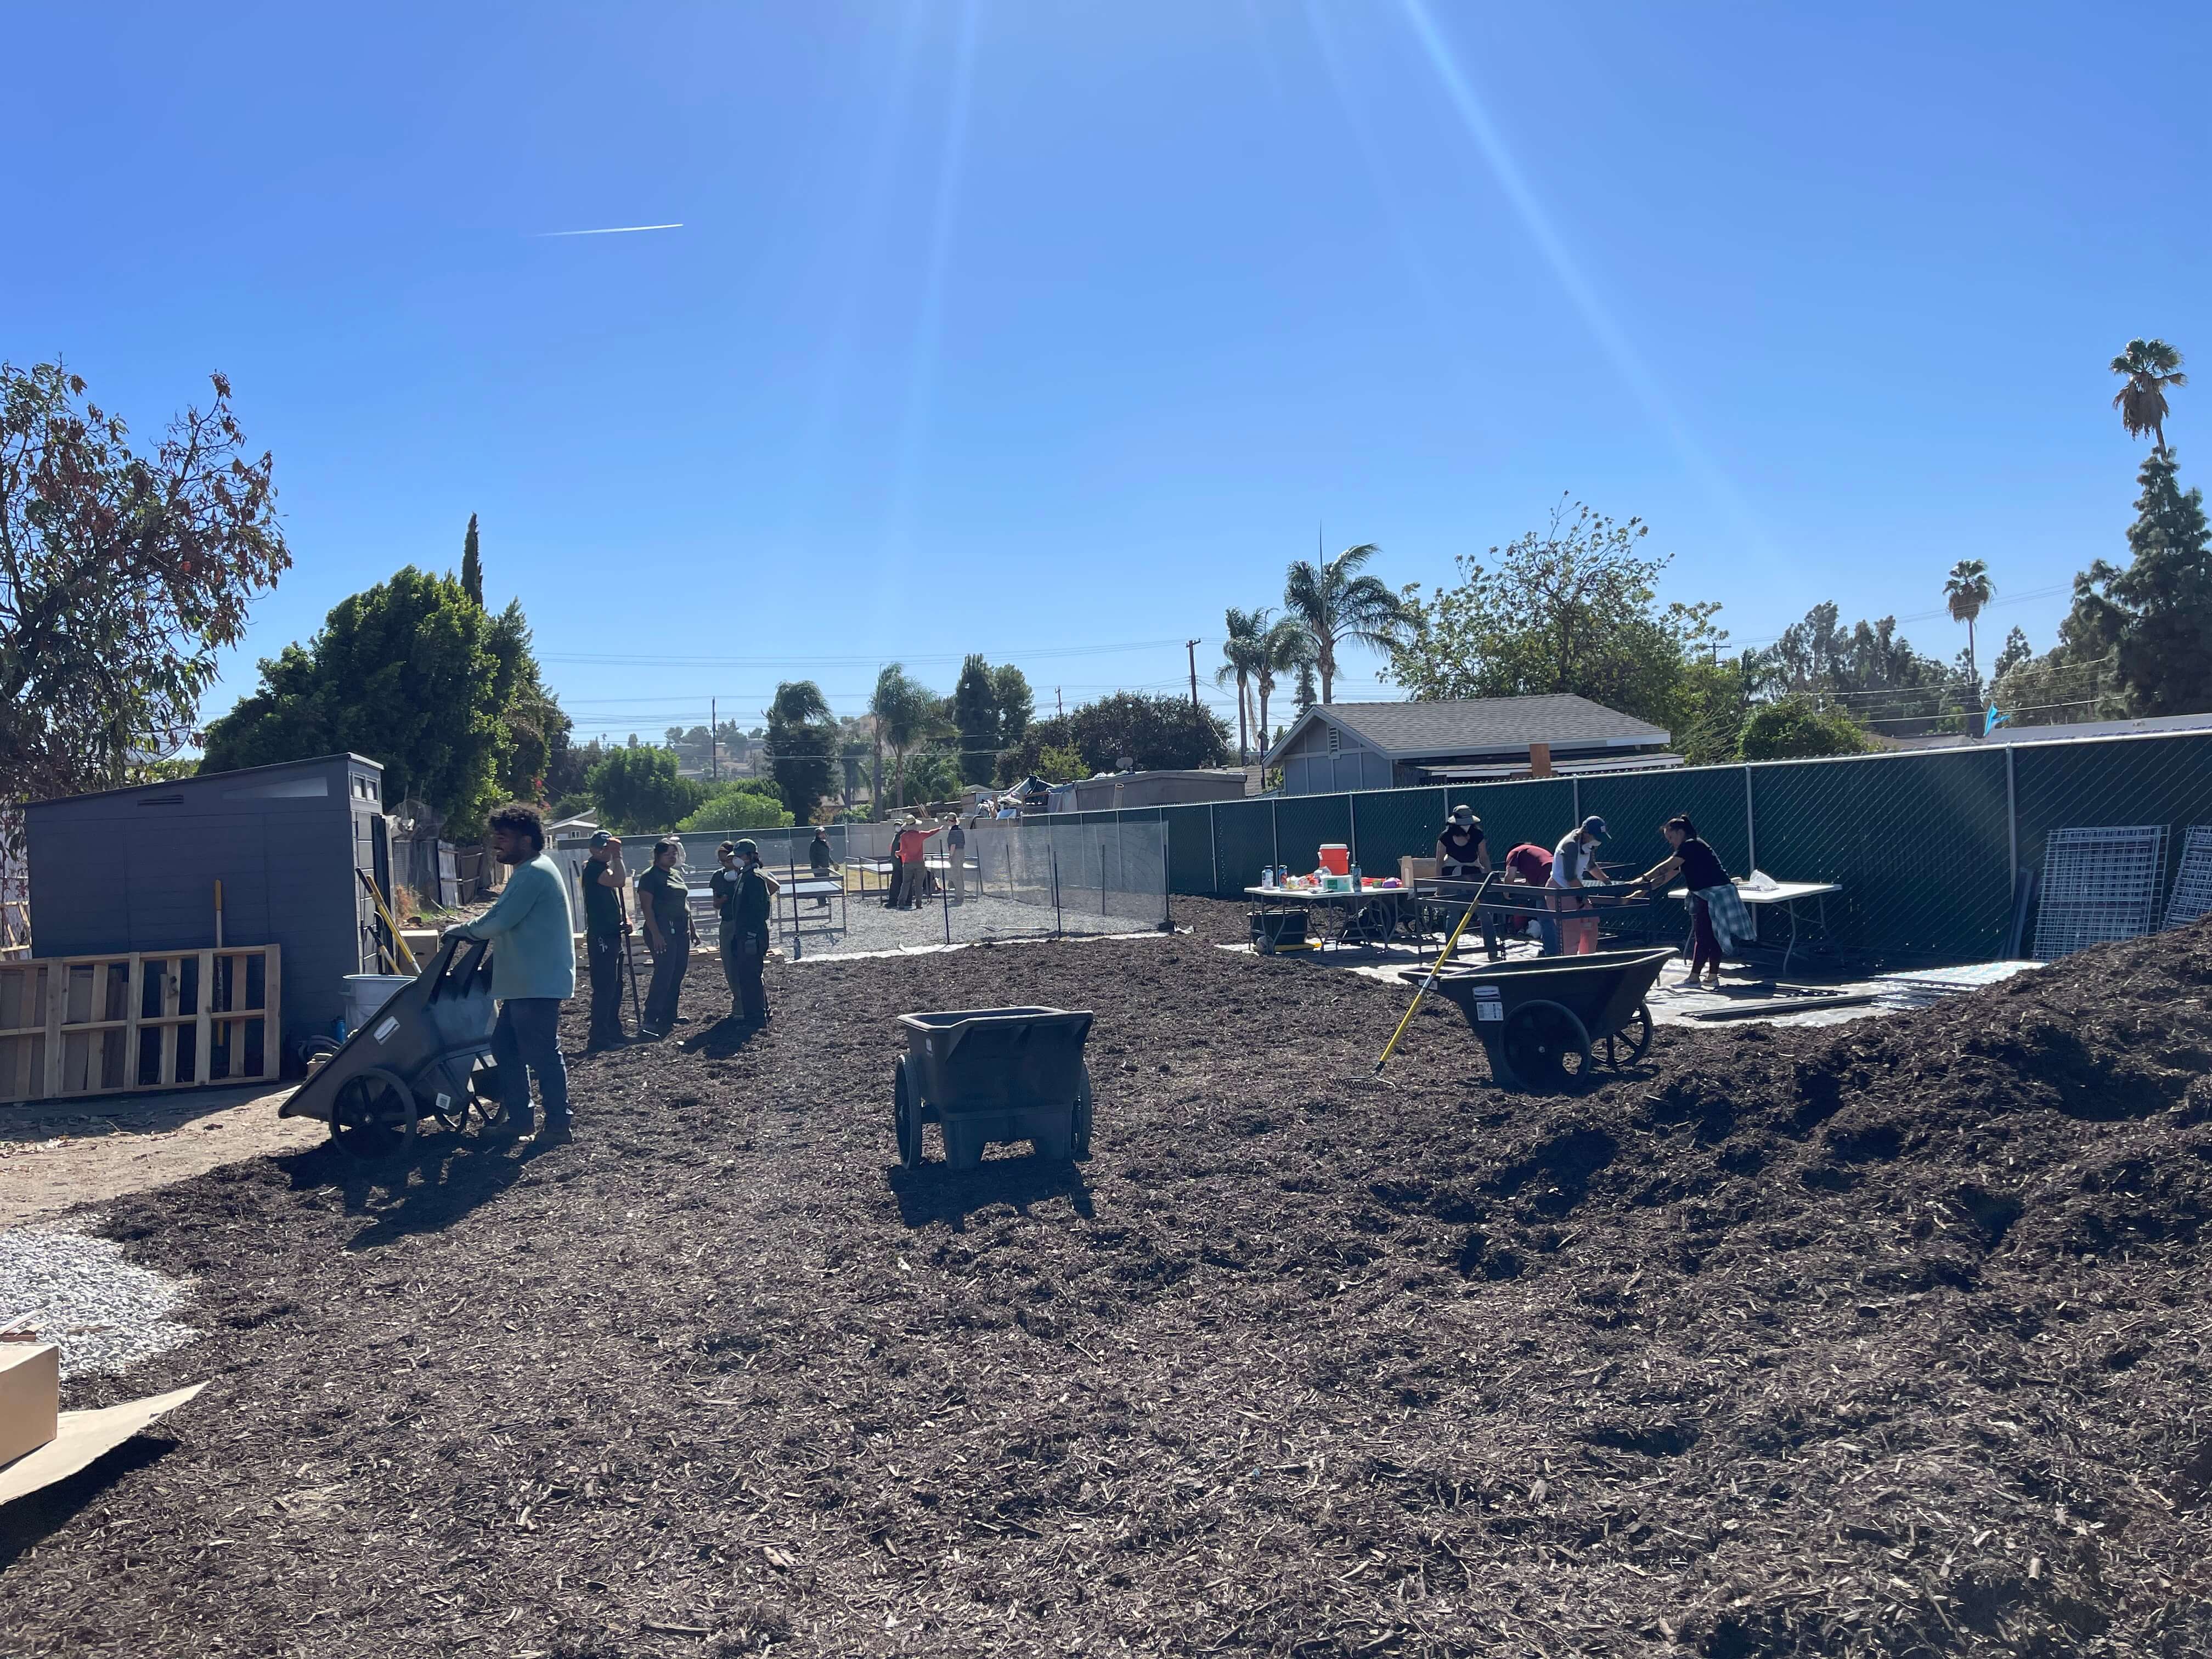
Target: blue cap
x=1594 y=826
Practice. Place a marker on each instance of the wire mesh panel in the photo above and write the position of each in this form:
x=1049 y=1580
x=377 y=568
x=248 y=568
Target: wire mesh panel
x=1057 y=878
x=2098 y=884
x=2192 y=885
x=2115 y=781
x=1388 y=824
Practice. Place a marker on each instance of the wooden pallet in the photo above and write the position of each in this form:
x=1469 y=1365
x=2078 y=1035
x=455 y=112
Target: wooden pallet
x=77 y=1026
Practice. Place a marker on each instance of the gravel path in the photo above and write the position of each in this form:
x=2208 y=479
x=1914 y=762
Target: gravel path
x=105 y=1313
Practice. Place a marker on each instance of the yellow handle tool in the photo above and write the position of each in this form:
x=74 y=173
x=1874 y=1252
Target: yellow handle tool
x=406 y=957
x=1435 y=968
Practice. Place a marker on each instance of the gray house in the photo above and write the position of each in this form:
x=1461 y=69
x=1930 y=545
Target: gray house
x=136 y=869
x=1397 y=745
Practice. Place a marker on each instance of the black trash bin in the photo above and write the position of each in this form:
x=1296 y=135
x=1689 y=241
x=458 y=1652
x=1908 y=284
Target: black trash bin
x=986 y=1074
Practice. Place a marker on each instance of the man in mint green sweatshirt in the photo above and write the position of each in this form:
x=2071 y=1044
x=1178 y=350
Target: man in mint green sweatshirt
x=533 y=971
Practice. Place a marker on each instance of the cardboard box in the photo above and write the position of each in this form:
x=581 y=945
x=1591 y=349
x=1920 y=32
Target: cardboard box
x=30 y=1397
x=1410 y=869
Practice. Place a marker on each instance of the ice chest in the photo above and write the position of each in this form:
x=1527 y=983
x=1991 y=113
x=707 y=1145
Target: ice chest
x=30 y=1397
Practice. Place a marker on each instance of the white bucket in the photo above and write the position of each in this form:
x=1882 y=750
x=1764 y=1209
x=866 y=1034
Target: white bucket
x=366 y=993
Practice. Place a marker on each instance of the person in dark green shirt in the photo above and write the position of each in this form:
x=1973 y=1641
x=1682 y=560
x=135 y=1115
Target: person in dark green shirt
x=664 y=903
x=728 y=888
x=605 y=935
x=745 y=926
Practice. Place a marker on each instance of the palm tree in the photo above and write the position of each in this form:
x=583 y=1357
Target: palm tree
x=2151 y=366
x=1284 y=649
x=905 y=713
x=1334 y=604
x=1965 y=591
x=1242 y=648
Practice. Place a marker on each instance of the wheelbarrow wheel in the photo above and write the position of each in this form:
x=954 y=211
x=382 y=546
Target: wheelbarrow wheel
x=482 y=1096
x=906 y=1114
x=1627 y=1046
x=373 y=1115
x=1544 y=1047
x=1082 y=1143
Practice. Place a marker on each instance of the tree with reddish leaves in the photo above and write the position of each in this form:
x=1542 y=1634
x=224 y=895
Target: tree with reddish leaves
x=122 y=575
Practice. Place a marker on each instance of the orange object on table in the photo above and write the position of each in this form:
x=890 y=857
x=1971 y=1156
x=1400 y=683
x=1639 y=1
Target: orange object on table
x=1336 y=858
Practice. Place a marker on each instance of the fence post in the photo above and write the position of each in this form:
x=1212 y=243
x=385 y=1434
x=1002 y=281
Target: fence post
x=1214 y=845
x=1275 y=829
x=2012 y=818
x=1575 y=797
x=1750 y=825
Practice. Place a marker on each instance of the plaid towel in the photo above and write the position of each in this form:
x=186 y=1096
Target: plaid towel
x=1731 y=921
x=1732 y=924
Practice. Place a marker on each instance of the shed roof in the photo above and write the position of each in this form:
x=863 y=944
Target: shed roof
x=202 y=779
x=1409 y=731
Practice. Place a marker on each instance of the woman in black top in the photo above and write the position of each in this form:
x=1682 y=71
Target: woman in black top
x=1701 y=868
x=1463 y=854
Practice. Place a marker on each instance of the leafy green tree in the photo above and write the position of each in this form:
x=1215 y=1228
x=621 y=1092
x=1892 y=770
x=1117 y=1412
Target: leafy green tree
x=2154 y=618
x=123 y=576
x=801 y=741
x=1010 y=691
x=2152 y=367
x=1059 y=763
x=976 y=718
x=750 y=803
x=1888 y=683
x=2015 y=652
x=473 y=564
x=1797 y=728
x=1153 y=731
x=1244 y=651
x=533 y=721
x=637 y=789
x=1305 y=696
x=933 y=775
x=1572 y=607
x=407 y=673
x=1336 y=605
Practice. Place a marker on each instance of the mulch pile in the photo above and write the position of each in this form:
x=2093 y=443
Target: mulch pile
x=1882 y=1339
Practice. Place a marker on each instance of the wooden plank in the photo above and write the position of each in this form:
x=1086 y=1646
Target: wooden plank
x=57 y=1006
x=205 y=1028
x=70 y=1013
x=272 y=997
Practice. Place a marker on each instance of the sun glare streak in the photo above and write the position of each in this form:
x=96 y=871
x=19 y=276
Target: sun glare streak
x=609 y=230
x=929 y=325
x=1599 y=320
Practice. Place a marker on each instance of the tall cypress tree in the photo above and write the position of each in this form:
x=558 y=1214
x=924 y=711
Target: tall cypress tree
x=472 y=566
x=975 y=717
x=2156 y=613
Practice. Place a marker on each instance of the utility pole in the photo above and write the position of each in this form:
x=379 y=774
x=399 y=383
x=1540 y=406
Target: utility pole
x=713 y=735
x=1059 y=703
x=1192 y=647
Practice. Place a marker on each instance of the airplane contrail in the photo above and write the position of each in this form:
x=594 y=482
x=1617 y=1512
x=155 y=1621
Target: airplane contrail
x=610 y=230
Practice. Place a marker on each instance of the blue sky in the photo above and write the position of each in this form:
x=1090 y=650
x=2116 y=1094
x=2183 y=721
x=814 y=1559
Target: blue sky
x=1041 y=329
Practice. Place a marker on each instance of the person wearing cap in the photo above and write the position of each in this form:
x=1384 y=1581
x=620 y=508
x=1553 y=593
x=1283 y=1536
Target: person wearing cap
x=664 y=904
x=750 y=901
x=820 y=862
x=1574 y=863
x=606 y=937
x=1462 y=855
x=914 y=862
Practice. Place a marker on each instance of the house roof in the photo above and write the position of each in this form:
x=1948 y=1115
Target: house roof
x=1410 y=731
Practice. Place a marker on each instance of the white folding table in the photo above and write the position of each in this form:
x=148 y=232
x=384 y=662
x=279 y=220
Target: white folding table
x=1787 y=894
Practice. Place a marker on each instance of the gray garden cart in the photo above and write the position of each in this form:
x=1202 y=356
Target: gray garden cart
x=986 y=1074
x=425 y=1051
x=1539 y=1017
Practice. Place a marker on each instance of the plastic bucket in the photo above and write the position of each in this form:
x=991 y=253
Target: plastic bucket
x=1336 y=858
x=366 y=993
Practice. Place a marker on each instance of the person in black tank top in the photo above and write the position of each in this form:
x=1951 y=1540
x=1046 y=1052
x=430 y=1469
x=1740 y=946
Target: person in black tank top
x=1463 y=854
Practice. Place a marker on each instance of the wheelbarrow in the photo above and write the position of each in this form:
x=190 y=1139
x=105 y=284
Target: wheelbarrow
x=986 y=1074
x=426 y=1051
x=1540 y=1018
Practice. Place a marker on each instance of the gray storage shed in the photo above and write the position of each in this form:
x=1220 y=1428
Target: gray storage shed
x=135 y=870
x=1396 y=746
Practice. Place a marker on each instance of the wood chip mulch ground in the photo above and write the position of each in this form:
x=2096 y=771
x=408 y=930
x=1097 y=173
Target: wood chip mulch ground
x=1886 y=1339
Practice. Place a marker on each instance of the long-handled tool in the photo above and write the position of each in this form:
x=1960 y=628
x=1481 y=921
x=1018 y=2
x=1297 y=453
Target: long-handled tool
x=406 y=958
x=630 y=968
x=1435 y=968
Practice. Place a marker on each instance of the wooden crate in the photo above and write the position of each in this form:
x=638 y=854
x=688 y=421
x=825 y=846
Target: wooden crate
x=76 y=1026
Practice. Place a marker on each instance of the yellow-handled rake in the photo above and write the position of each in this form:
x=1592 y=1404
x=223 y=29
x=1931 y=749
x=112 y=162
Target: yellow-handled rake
x=1435 y=968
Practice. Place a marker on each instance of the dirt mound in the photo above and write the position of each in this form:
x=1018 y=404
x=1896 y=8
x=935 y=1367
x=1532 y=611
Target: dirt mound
x=1882 y=1339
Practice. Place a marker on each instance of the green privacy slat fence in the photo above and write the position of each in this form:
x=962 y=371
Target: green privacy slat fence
x=2145 y=781
x=1925 y=845
x=1918 y=842
x=1540 y=811
x=1244 y=843
x=1190 y=849
x=1305 y=824
x=1388 y=824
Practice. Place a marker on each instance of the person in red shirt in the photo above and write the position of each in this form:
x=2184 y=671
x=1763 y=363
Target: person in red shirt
x=1532 y=864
